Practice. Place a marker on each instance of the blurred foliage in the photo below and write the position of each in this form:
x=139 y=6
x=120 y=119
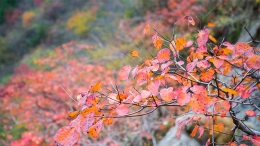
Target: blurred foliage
x=27 y=18
x=81 y=22
x=5 y=5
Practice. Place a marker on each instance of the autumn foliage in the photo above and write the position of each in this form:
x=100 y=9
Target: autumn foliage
x=212 y=80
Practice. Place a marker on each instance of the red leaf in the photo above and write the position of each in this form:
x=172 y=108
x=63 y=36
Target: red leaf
x=124 y=72
x=163 y=55
x=250 y=113
x=122 y=109
x=66 y=136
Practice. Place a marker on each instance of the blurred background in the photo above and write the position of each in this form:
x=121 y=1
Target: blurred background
x=48 y=43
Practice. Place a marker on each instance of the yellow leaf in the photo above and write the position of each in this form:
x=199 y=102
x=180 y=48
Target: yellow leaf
x=231 y=91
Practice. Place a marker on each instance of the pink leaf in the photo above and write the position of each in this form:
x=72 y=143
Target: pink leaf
x=203 y=37
x=134 y=72
x=217 y=62
x=137 y=99
x=145 y=93
x=250 y=113
x=171 y=77
x=112 y=98
x=189 y=43
x=142 y=78
x=198 y=89
x=66 y=136
x=163 y=55
x=178 y=133
x=124 y=72
x=191 y=65
x=87 y=122
x=180 y=63
x=203 y=64
x=153 y=87
x=190 y=20
x=122 y=109
x=208 y=142
x=201 y=131
x=166 y=94
x=245 y=94
x=201 y=49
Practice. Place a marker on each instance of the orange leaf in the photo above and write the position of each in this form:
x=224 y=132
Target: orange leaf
x=231 y=91
x=72 y=115
x=94 y=130
x=241 y=48
x=157 y=43
x=219 y=127
x=212 y=39
x=146 y=28
x=180 y=43
x=233 y=144
x=210 y=24
x=108 y=121
x=134 y=53
x=66 y=136
x=121 y=96
x=253 y=62
x=194 y=131
x=207 y=76
x=87 y=111
x=163 y=55
x=96 y=87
